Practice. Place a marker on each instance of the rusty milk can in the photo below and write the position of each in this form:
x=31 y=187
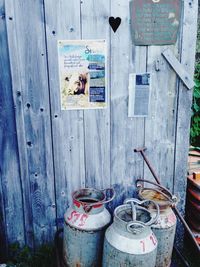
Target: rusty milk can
x=84 y=227
x=165 y=227
x=129 y=241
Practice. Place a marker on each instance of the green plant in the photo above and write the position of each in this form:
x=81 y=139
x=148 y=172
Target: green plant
x=195 y=120
x=25 y=257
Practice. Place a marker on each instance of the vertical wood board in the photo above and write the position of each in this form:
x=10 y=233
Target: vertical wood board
x=97 y=122
x=49 y=153
x=11 y=207
x=63 y=22
x=161 y=122
x=185 y=101
x=31 y=67
x=126 y=133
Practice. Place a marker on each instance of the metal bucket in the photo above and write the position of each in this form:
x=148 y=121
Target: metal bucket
x=165 y=227
x=129 y=241
x=84 y=227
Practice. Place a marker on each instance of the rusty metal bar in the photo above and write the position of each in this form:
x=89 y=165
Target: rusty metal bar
x=141 y=151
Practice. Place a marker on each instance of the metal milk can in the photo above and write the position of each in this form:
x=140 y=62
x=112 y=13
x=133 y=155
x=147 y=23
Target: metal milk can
x=165 y=227
x=84 y=227
x=129 y=241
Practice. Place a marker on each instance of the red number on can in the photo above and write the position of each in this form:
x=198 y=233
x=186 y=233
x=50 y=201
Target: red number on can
x=152 y=238
x=71 y=215
x=83 y=219
x=143 y=245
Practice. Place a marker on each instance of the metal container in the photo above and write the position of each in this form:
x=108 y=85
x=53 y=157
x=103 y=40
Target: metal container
x=84 y=227
x=129 y=241
x=165 y=227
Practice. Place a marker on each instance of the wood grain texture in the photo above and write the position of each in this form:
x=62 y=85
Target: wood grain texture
x=178 y=68
x=29 y=75
x=188 y=46
x=160 y=124
x=63 y=17
x=56 y=152
x=97 y=122
x=126 y=133
x=11 y=207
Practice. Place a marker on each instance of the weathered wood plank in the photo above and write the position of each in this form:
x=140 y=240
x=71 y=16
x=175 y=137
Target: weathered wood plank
x=178 y=68
x=3 y=232
x=27 y=51
x=97 y=122
x=126 y=133
x=185 y=100
x=160 y=124
x=63 y=18
x=10 y=182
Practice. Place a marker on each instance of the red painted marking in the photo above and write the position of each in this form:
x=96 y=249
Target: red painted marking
x=152 y=238
x=97 y=206
x=76 y=203
x=171 y=218
x=77 y=216
x=143 y=245
x=71 y=215
x=83 y=219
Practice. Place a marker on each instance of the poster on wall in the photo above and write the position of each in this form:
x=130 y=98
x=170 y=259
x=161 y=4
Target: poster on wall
x=82 y=70
x=139 y=94
x=155 y=22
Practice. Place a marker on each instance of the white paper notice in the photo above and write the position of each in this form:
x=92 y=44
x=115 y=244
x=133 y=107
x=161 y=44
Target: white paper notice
x=139 y=94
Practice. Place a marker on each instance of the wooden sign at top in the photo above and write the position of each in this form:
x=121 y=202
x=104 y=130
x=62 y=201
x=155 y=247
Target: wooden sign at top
x=155 y=22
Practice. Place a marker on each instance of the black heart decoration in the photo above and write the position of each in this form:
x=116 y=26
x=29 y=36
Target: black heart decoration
x=114 y=23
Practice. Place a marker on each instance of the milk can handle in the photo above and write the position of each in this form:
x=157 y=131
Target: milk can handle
x=140 y=203
x=170 y=197
x=135 y=223
x=112 y=197
x=88 y=207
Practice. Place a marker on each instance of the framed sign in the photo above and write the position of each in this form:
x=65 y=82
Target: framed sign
x=82 y=70
x=155 y=22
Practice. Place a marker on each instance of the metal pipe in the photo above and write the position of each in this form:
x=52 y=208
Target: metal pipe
x=141 y=150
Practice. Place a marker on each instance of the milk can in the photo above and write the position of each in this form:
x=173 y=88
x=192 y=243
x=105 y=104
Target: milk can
x=129 y=241
x=165 y=227
x=84 y=227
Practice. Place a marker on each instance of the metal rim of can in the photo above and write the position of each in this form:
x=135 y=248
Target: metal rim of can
x=140 y=205
x=170 y=200
x=126 y=224
x=101 y=201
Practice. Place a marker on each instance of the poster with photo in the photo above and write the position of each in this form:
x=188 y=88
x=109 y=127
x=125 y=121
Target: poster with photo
x=82 y=70
x=139 y=94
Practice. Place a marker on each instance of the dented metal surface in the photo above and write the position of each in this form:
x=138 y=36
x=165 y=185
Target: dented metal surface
x=84 y=228
x=165 y=227
x=129 y=241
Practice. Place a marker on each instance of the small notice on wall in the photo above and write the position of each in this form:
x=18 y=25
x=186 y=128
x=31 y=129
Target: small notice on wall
x=82 y=69
x=155 y=22
x=139 y=94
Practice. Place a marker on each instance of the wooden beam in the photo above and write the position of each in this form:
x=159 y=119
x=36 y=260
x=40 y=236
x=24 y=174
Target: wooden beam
x=186 y=78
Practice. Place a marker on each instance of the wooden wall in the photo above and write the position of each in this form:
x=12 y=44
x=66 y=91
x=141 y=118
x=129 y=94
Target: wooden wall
x=46 y=153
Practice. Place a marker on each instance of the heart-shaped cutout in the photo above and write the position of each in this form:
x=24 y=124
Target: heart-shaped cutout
x=114 y=23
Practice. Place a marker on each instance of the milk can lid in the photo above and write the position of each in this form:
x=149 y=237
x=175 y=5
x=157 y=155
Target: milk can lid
x=134 y=215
